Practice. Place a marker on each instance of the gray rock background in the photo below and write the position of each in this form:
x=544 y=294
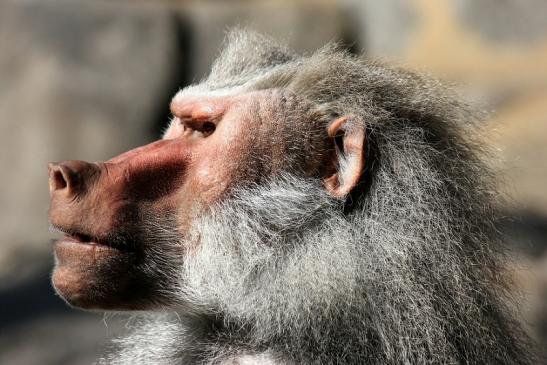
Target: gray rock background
x=90 y=79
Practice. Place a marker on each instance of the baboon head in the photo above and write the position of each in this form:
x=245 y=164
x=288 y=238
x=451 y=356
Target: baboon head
x=321 y=209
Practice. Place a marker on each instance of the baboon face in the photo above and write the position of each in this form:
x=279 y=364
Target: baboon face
x=112 y=255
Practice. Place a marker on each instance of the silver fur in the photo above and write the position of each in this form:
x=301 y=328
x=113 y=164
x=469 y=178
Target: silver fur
x=407 y=270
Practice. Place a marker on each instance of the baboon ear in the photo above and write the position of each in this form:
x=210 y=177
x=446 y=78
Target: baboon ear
x=348 y=160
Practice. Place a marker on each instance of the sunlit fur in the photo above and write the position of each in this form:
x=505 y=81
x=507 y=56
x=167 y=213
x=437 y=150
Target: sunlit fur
x=406 y=270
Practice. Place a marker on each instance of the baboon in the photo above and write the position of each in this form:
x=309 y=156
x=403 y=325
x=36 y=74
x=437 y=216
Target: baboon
x=318 y=209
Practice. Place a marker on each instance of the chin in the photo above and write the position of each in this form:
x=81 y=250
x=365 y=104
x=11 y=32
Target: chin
x=95 y=276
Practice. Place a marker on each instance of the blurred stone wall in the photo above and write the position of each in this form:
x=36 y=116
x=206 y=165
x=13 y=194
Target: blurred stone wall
x=497 y=51
x=90 y=79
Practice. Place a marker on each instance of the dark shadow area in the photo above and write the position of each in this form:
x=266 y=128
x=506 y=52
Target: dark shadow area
x=181 y=73
x=527 y=232
x=348 y=36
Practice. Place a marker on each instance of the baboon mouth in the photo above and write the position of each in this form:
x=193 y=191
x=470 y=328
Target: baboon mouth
x=80 y=238
x=84 y=239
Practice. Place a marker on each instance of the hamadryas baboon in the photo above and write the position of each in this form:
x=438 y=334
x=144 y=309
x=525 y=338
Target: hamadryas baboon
x=319 y=209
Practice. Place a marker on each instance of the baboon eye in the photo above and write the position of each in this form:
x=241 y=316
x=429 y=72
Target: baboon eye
x=208 y=128
x=205 y=128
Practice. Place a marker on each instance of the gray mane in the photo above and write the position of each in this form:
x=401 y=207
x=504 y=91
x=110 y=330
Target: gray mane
x=406 y=270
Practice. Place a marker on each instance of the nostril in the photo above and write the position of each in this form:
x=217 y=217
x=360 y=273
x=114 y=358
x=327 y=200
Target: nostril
x=72 y=177
x=58 y=181
x=58 y=177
